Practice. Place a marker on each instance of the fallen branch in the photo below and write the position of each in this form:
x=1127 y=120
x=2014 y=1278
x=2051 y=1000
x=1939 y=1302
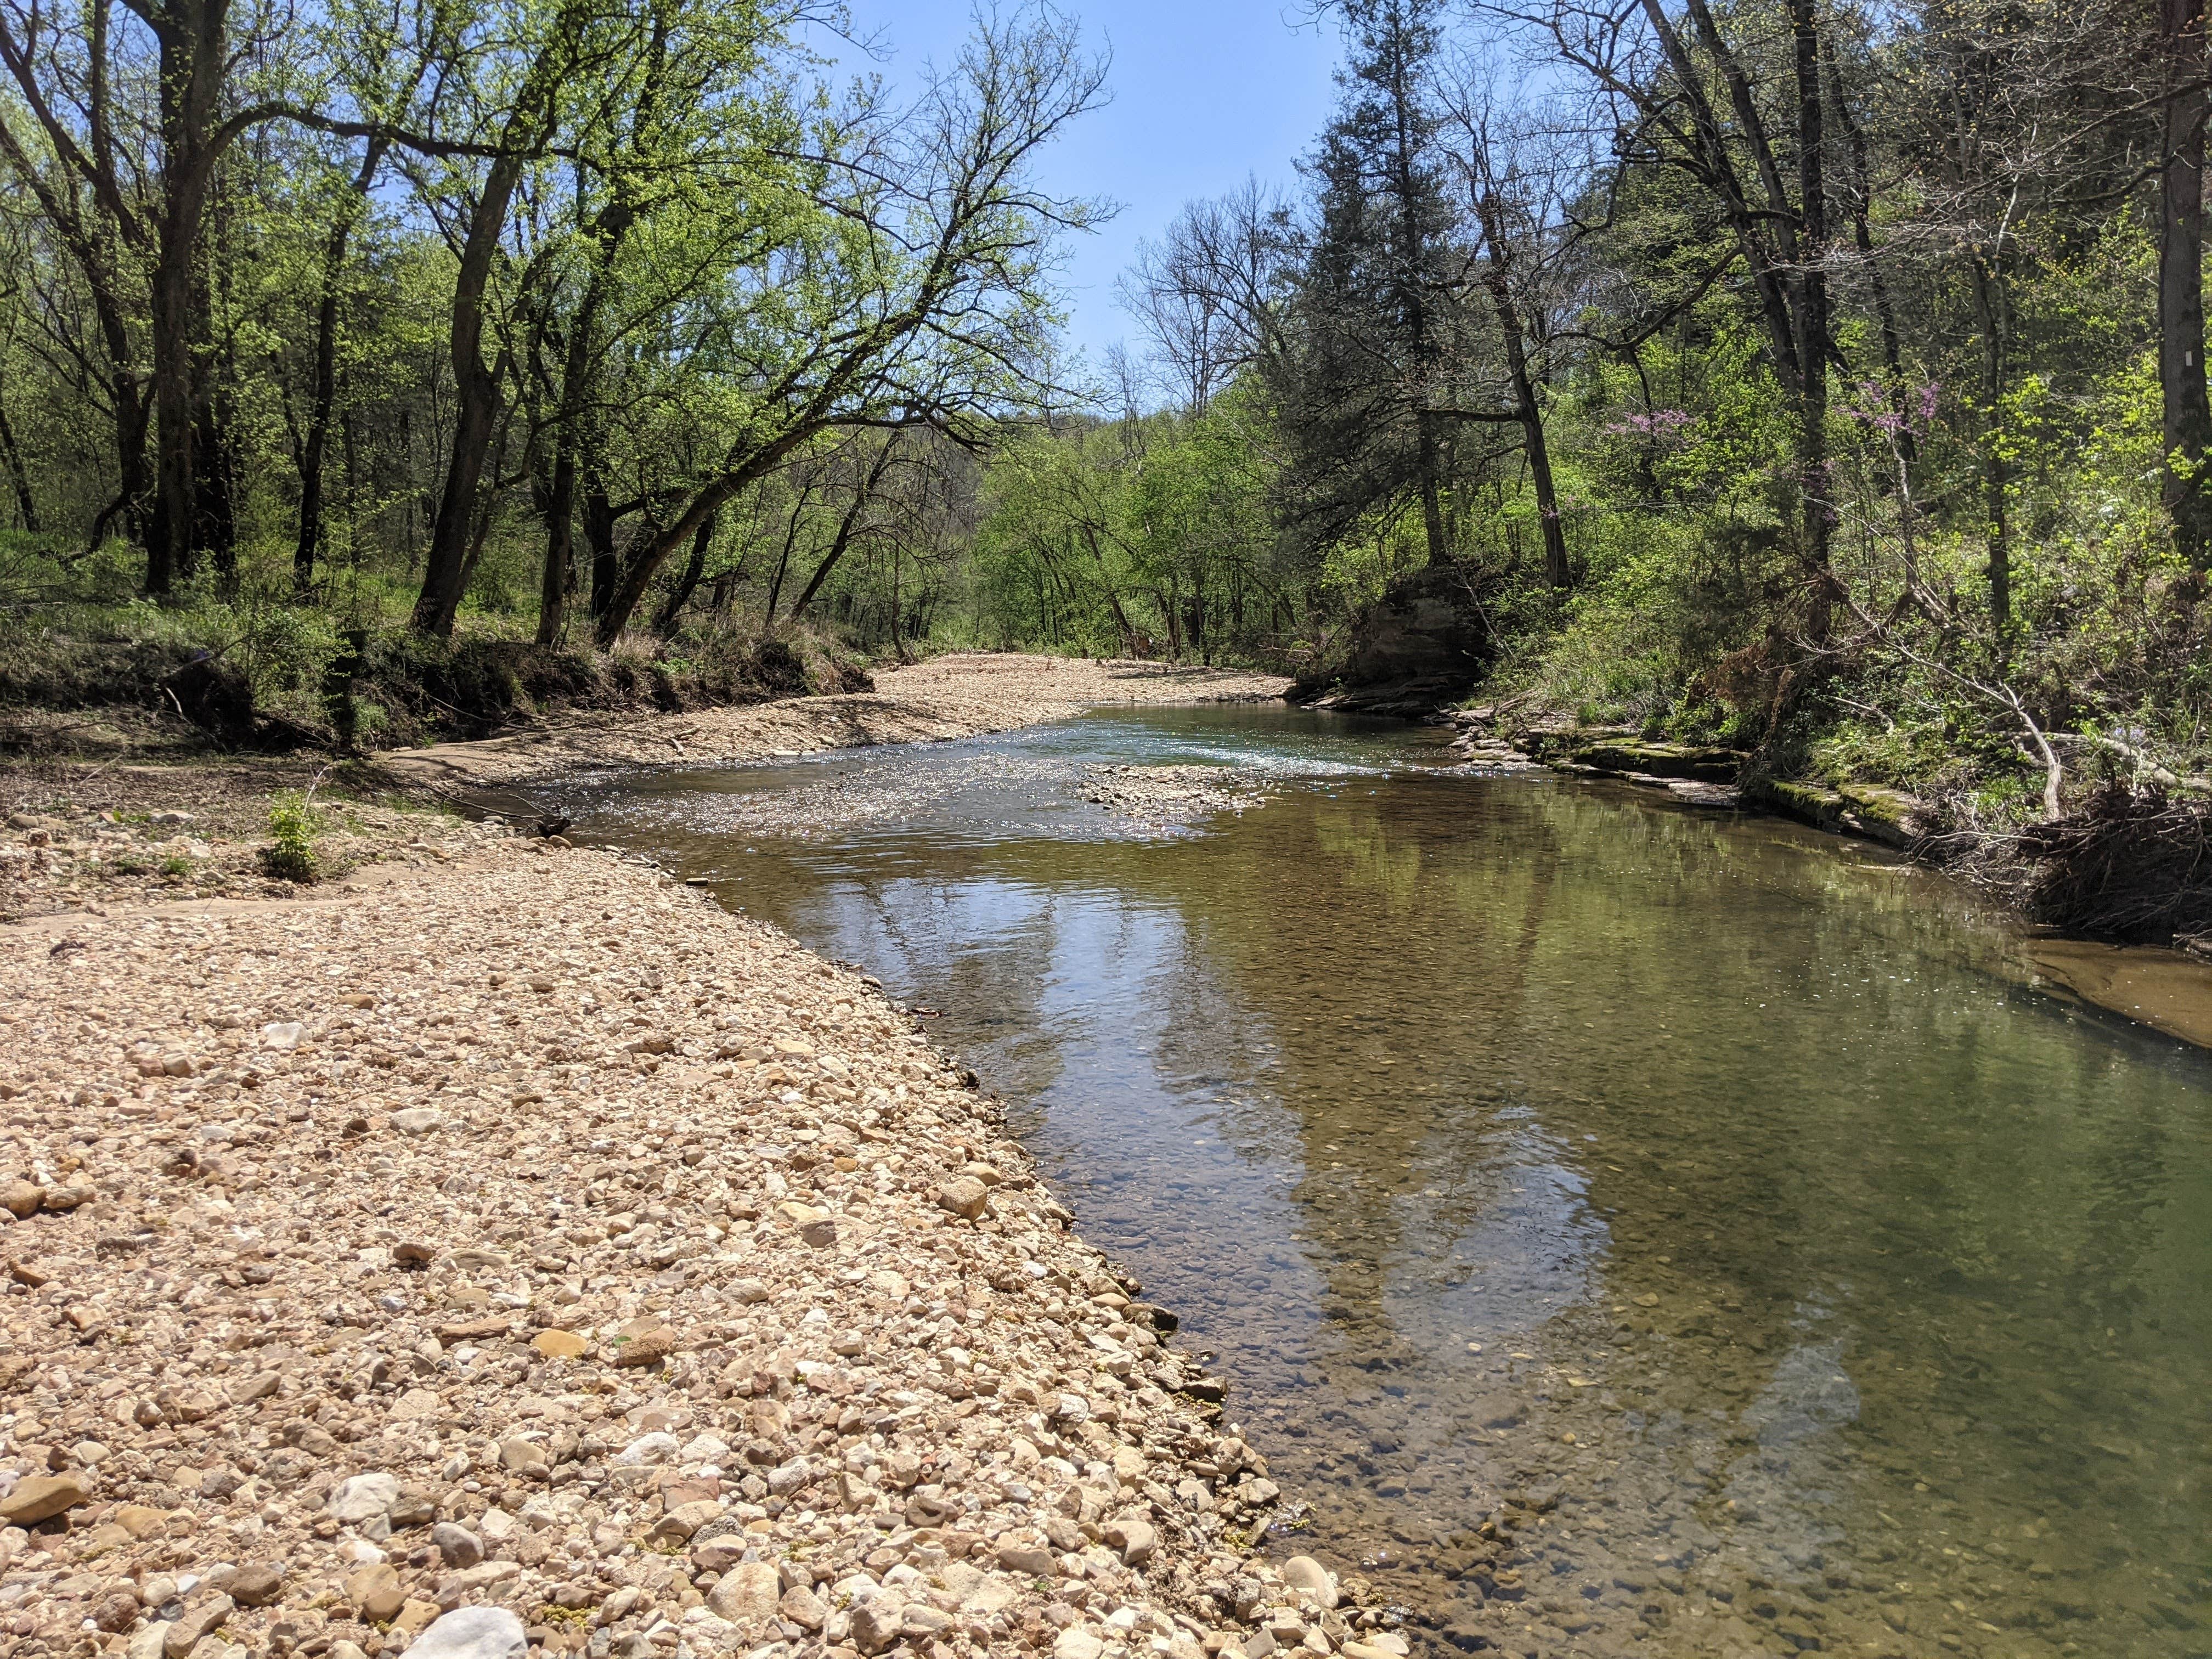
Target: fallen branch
x=2146 y=769
x=2000 y=694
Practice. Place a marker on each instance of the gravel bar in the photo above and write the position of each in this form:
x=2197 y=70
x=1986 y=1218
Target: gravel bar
x=953 y=696
x=509 y=1250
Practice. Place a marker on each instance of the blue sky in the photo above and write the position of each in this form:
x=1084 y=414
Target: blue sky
x=1204 y=91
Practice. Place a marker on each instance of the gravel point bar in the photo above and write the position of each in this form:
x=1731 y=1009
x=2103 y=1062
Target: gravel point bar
x=955 y=696
x=524 y=1233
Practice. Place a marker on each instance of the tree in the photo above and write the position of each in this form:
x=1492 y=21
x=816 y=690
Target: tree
x=536 y=82
x=2182 y=68
x=1520 y=238
x=1375 y=297
x=74 y=170
x=912 y=294
x=680 y=170
x=1656 y=76
x=1209 y=295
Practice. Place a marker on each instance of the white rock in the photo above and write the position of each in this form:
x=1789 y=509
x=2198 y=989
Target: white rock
x=1303 y=1572
x=704 y=1449
x=748 y=1590
x=701 y=1633
x=995 y=1594
x=655 y=1447
x=283 y=1035
x=364 y=1496
x=417 y=1120
x=472 y=1633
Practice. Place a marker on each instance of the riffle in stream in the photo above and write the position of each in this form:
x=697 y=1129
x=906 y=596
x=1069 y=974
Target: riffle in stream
x=1632 y=1229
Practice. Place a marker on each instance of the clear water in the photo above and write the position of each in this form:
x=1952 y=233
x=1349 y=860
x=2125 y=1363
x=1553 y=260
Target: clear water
x=1514 y=1137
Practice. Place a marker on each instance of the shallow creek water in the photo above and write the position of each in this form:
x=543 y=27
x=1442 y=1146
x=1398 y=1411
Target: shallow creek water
x=1512 y=1136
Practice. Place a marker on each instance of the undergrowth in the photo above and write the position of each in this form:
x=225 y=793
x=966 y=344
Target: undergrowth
x=254 y=665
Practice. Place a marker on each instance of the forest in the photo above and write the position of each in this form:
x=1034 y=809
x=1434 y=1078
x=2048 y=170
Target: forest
x=1817 y=377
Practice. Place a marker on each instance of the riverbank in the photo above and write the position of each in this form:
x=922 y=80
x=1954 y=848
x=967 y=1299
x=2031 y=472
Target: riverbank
x=520 y=1229
x=90 y=833
x=952 y=697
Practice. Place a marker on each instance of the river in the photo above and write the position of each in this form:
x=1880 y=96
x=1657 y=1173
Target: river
x=1730 y=1198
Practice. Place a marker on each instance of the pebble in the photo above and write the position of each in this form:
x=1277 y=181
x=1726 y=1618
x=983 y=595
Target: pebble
x=42 y=1497
x=1303 y=1572
x=472 y=1633
x=361 y=1497
x=748 y=1590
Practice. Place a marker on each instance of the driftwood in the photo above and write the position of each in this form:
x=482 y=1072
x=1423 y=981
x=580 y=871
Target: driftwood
x=2132 y=865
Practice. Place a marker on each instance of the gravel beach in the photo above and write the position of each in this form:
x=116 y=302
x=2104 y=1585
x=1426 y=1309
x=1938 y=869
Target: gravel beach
x=952 y=697
x=502 y=1248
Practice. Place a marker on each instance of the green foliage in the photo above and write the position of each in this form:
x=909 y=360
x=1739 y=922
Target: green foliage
x=1151 y=535
x=294 y=824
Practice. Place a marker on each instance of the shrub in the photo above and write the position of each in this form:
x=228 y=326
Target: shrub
x=292 y=827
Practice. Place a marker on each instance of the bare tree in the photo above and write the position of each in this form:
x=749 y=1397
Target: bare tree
x=1521 y=238
x=1207 y=296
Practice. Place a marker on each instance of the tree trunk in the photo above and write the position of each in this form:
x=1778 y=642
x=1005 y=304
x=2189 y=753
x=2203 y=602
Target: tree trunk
x=688 y=584
x=863 y=493
x=476 y=383
x=1129 y=634
x=27 y=507
x=308 y=546
x=1420 y=339
x=216 y=466
x=783 y=559
x=133 y=501
x=1540 y=471
x=476 y=407
x=899 y=624
x=557 y=506
x=2188 y=419
x=609 y=228
x=1432 y=511
x=1989 y=322
x=1813 y=314
x=644 y=563
x=1531 y=414
x=95 y=249
x=169 y=555
x=599 y=537
x=1713 y=160
x=194 y=53
x=1861 y=185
